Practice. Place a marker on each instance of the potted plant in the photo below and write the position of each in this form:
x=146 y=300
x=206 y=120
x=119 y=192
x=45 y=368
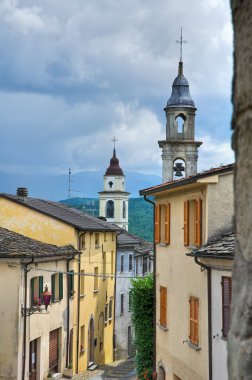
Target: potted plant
x=68 y=371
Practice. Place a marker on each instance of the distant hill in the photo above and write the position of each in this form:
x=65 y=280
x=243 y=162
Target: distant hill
x=140 y=214
x=84 y=184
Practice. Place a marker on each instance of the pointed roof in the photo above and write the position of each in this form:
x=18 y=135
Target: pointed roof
x=114 y=168
x=180 y=95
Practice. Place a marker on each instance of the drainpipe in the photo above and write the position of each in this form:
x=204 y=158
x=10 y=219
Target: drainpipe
x=68 y=308
x=209 y=300
x=25 y=317
x=78 y=303
x=154 y=290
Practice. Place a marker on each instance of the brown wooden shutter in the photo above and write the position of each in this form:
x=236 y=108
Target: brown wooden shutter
x=157 y=223
x=53 y=350
x=226 y=304
x=194 y=320
x=186 y=223
x=167 y=223
x=198 y=222
x=163 y=305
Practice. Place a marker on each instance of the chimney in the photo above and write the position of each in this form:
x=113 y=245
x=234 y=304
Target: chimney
x=22 y=193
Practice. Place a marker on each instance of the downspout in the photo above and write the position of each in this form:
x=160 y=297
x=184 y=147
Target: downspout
x=78 y=303
x=209 y=300
x=68 y=308
x=114 y=336
x=154 y=287
x=25 y=317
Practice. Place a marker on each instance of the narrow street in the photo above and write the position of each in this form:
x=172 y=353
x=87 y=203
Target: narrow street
x=121 y=370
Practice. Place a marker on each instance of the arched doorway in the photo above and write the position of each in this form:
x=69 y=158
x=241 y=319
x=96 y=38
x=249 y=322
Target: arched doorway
x=101 y=339
x=161 y=373
x=91 y=342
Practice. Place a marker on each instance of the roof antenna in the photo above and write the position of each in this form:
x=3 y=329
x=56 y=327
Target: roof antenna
x=69 y=183
x=181 y=42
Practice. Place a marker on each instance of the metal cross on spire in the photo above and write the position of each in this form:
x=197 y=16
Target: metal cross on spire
x=114 y=141
x=181 y=42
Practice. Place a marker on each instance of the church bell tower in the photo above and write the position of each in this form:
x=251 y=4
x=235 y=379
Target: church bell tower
x=114 y=198
x=179 y=149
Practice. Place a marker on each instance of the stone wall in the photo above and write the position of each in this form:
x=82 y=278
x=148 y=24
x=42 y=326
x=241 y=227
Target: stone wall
x=240 y=339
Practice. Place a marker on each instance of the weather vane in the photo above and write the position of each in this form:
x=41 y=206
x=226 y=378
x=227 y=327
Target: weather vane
x=181 y=42
x=114 y=141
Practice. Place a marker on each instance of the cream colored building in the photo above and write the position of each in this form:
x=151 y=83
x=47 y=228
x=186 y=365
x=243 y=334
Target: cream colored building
x=32 y=343
x=188 y=213
x=92 y=290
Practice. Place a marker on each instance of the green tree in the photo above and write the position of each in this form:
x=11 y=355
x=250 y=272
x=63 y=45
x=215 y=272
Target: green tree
x=142 y=319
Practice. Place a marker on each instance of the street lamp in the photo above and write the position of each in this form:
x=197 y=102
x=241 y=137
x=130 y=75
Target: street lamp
x=45 y=298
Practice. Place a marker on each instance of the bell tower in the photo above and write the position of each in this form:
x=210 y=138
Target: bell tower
x=179 y=149
x=114 y=199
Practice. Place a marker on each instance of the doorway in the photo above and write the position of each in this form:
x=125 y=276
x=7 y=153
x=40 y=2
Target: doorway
x=54 y=350
x=91 y=342
x=33 y=364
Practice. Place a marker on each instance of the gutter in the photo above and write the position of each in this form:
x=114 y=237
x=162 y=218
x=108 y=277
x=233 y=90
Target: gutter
x=25 y=318
x=209 y=301
x=78 y=303
x=154 y=287
x=114 y=335
x=68 y=309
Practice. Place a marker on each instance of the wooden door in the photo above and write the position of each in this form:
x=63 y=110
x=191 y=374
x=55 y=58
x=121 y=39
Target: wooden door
x=53 y=350
x=91 y=341
x=33 y=360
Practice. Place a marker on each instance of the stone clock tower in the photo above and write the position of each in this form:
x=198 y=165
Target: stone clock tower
x=114 y=198
x=179 y=149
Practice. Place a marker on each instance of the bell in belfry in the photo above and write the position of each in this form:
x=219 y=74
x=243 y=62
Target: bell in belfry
x=178 y=168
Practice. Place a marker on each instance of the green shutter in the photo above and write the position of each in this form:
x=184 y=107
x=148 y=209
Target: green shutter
x=60 y=286
x=53 y=286
x=40 y=288
x=32 y=291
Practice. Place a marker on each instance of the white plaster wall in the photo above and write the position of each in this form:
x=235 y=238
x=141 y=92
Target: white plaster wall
x=219 y=345
x=118 y=208
x=118 y=183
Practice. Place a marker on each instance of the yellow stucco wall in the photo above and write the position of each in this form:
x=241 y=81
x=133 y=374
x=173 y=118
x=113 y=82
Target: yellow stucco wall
x=183 y=279
x=36 y=225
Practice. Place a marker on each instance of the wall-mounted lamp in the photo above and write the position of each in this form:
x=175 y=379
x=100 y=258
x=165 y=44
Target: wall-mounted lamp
x=46 y=298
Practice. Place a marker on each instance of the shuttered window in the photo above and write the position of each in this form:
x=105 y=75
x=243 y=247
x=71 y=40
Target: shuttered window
x=57 y=286
x=157 y=223
x=53 y=350
x=194 y=320
x=186 y=223
x=167 y=223
x=163 y=306
x=36 y=290
x=198 y=222
x=226 y=304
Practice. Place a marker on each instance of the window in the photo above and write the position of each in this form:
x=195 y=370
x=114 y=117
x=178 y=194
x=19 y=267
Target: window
x=96 y=278
x=137 y=260
x=82 y=283
x=106 y=313
x=82 y=340
x=82 y=242
x=130 y=262
x=194 y=320
x=163 y=305
x=122 y=263
x=180 y=119
x=145 y=264
x=130 y=300
x=193 y=223
x=226 y=304
x=71 y=283
x=124 y=209
x=36 y=290
x=110 y=209
x=110 y=308
x=104 y=265
x=57 y=286
x=97 y=240
x=122 y=304
x=162 y=223
x=110 y=184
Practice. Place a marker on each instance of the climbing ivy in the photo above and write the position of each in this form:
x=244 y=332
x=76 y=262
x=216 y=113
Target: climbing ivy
x=142 y=320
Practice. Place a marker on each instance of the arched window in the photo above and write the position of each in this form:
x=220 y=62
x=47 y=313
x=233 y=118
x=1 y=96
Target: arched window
x=180 y=119
x=124 y=209
x=110 y=209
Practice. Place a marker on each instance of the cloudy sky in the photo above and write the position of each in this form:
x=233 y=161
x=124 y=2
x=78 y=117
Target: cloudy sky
x=74 y=73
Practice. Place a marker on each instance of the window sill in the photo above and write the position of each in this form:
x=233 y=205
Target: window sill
x=105 y=323
x=110 y=320
x=194 y=346
x=82 y=295
x=163 y=328
x=163 y=245
x=96 y=291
